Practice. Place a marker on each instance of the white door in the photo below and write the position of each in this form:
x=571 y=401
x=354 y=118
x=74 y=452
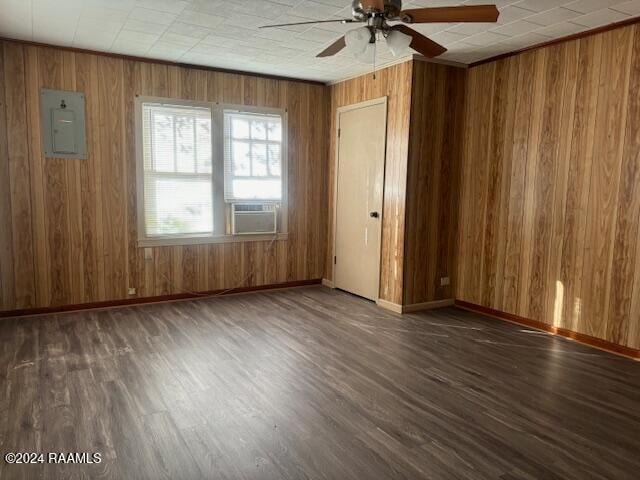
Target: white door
x=360 y=181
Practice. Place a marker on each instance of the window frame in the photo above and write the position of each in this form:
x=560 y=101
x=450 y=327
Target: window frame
x=220 y=207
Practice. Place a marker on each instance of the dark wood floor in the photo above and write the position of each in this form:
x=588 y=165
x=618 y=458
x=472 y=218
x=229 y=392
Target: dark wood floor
x=311 y=383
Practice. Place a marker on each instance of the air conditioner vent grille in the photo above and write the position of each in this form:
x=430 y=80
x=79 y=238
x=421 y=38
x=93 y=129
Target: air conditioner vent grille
x=253 y=219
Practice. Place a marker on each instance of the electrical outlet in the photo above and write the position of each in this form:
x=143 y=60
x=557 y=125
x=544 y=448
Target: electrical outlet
x=444 y=281
x=148 y=253
x=131 y=291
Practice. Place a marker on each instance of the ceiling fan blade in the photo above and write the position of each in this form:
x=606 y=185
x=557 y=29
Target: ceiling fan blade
x=342 y=20
x=420 y=43
x=469 y=13
x=334 y=48
x=373 y=5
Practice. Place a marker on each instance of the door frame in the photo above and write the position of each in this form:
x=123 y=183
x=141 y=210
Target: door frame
x=336 y=163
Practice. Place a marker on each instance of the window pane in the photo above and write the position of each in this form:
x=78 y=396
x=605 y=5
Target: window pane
x=162 y=143
x=274 y=160
x=203 y=145
x=263 y=189
x=177 y=169
x=239 y=128
x=251 y=163
x=185 y=144
x=275 y=131
x=258 y=130
x=177 y=205
x=259 y=160
x=241 y=159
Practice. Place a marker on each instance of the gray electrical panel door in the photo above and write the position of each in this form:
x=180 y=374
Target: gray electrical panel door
x=63 y=125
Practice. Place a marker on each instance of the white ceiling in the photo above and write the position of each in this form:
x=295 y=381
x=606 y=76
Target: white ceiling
x=225 y=34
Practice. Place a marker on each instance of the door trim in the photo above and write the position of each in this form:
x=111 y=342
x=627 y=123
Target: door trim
x=336 y=162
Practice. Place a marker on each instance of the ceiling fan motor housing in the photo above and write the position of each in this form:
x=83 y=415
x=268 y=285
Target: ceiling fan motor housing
x=361 y=11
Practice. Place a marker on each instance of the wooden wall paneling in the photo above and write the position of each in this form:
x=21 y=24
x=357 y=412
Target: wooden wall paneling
x=295 y=108
x=215 y=270
x=461 y=287
x=581 y=161
x=629 y=256
x=83 y=213
x=555 y=300
x=475 y=178
x=146 y=280
x=546 y=151
x=56 y=211
x=250 y=91
x=437 y=102
x=86 y=75
x=422 y=171
x=397 y=86
x=135 y=255
x=449 y=188
x=19 y=175
x=628 y=207
x=518 y=153
x=497 y=95
x=572 y=203
x=36 y=167
x=473 y=183
x=74 y=198
x=162 y=279
x=533 y=150
x=504 y=147
x=394 y=230
x=110 y=91
x=7 y=283
x=316 y=141
x=316 y=241
x=609 y=136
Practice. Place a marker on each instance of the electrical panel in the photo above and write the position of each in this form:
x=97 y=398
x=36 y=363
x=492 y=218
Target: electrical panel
x=63 y=124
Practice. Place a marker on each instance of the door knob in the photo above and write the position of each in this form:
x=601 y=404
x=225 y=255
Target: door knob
x=374 y=214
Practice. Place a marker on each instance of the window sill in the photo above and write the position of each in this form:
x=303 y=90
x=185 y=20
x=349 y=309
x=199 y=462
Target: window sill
x=205 y=240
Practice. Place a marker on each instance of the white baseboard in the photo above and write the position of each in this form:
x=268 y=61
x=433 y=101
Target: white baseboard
x=328 y=283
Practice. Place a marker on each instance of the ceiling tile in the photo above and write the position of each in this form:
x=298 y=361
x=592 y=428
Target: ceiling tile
x=631 y=8
x=588 y=6
x=554 y=15
x=152 y=16
x=600 y=17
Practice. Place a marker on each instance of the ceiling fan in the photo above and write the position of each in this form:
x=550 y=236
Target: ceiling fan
x=376 y=14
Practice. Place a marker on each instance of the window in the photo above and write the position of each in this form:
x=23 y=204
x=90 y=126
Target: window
x=252 y=156
x=198 y=161
x=177 y=170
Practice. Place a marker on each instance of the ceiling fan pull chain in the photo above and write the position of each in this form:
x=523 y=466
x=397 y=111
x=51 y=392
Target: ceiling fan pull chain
x=375 y=45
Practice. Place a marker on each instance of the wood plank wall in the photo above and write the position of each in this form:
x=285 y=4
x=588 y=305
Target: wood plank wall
x=435 y=139
x=550 y=203
x=394 y=83
x=68 y=228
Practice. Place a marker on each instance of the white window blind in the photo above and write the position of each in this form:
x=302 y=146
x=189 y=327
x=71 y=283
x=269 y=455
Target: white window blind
x=177 y=154
x=252 y=156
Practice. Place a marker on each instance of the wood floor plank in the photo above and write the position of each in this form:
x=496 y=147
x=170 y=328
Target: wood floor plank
x=311 y=383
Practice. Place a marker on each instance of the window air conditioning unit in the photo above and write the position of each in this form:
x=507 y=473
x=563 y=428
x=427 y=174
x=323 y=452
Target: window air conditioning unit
x=252 y=218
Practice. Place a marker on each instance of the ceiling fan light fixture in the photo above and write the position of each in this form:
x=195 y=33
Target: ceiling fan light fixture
x=367 y=56
x=398 y=42
x=357 y=40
